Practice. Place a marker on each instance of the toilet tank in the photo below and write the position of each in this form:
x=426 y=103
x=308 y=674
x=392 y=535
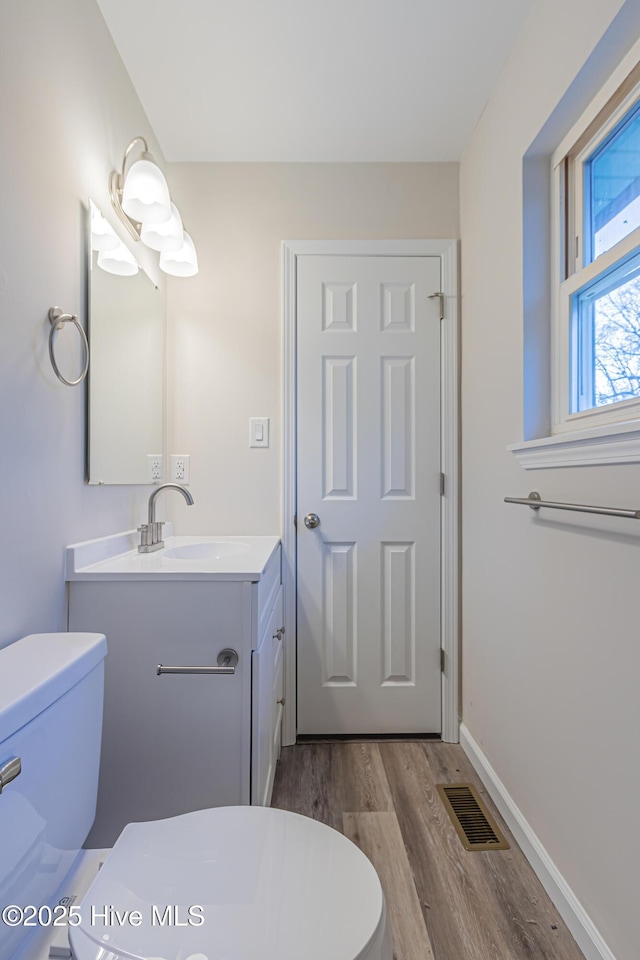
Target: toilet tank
x=51 y=692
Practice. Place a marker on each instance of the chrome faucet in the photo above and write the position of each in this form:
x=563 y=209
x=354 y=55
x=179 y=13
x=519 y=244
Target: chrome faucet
x=151 y=532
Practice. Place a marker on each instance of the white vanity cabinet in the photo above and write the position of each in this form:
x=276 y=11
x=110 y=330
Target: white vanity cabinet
x=178 y=742
x=267 y=700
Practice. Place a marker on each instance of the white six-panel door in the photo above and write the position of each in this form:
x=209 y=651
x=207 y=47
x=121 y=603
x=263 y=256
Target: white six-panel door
x=368 y=465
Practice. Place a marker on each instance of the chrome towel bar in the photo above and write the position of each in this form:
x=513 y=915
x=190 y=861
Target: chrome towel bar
x=227 y=663
x=535 y=501
x=229 y=671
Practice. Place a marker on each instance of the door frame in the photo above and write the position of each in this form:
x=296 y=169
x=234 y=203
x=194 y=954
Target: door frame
x=447 y=251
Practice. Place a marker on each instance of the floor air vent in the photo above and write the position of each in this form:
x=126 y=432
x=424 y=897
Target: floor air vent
x=474 y=824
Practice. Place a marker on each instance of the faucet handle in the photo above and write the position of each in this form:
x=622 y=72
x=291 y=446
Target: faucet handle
x=156 y=531
x=144 y=530
x=145 y=537
x=150 y=537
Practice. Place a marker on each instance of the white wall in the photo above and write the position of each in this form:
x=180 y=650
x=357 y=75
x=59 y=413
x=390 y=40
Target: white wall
x=225 y=324
x=550 y=606
x=67 y=110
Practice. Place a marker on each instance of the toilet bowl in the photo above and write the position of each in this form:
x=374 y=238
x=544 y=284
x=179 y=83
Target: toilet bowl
x=228 y=883
x=233 y=883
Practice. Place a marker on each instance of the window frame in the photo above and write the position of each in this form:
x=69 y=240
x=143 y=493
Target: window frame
x=569 y=274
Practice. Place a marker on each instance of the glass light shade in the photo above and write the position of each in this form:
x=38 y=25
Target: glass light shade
x=183 y=262
x=119 y=261
x=167 y=237
x=145 y=197
x=103 y=236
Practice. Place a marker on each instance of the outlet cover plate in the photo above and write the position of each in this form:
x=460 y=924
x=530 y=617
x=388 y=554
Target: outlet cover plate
x=180 y=467
x=154 y=467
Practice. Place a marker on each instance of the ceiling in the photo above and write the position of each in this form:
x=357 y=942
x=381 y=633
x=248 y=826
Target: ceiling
x=314 y=80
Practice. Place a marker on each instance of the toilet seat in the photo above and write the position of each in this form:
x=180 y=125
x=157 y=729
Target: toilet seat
x=272 y=885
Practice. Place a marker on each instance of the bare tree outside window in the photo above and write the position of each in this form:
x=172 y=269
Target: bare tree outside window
x=616 y=330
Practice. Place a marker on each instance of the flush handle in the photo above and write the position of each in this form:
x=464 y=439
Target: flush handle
x=11 y=769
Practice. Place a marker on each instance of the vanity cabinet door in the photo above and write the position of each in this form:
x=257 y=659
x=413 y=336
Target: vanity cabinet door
x=172 y=743
x=277 y=699
x=267 y=711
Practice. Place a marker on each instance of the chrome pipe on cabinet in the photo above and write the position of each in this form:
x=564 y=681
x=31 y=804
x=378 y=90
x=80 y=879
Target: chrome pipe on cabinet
x=227 y=663
x=535 y=501
x=160 y=669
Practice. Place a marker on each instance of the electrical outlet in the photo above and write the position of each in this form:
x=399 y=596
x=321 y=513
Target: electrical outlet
x=154 y=467
x=180 y=467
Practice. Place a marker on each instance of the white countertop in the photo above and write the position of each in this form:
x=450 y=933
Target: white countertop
x=117 y=558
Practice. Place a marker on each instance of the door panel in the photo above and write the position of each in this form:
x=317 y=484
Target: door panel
x=368 y=398
x=398 y=605
x=339 y=436
x=340 y=611
x=398 y=436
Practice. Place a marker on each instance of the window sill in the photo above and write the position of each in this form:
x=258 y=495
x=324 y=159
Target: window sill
x=596 y=446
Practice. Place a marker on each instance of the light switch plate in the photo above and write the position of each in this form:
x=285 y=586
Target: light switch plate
x=259 y=432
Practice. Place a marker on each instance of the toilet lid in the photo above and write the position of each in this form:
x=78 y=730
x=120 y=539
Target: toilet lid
x=231 y=883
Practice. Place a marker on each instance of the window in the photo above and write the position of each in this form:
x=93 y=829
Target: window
x=597 y=314
x=612 y=187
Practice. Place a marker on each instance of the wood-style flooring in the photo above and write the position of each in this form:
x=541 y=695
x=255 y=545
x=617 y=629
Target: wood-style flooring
x=443 y=902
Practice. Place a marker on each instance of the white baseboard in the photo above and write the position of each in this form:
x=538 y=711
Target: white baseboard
x=569 y=907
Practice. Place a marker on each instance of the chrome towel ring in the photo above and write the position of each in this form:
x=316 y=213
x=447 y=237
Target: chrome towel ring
x=57 y=319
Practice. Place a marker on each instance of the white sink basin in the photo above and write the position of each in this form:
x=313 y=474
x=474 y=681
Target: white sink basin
x=213 y=557
x=212 y=550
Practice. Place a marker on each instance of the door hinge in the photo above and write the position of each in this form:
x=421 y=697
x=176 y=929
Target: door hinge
x=442 y=484
x=440 y=295
x=443 y=660
x=295 y=520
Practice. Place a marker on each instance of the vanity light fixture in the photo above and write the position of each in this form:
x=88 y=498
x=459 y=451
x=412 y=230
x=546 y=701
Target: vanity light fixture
x=120 y=261
x=103 y=236
x=182 y=262
x=165 y=237
x=140 y=196
x=113 y=255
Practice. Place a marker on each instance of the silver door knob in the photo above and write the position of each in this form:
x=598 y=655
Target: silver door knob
x=311 y=521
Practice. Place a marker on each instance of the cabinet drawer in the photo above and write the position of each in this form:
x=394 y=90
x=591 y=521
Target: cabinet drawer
x=268 y=588
x=274 y=634
x=278 y=699
x=278 y=669
x=267 y=685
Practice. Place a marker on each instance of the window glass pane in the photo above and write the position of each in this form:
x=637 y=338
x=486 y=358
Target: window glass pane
x=606 y=339
x=612 y=187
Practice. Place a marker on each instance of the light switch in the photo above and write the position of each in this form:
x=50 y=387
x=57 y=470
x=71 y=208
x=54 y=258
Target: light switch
x=259 y=432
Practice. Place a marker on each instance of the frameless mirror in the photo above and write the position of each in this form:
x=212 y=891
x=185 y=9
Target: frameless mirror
x=126 y=383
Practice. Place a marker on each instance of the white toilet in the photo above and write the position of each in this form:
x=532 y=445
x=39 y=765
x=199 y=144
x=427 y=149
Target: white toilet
x=229 y=883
